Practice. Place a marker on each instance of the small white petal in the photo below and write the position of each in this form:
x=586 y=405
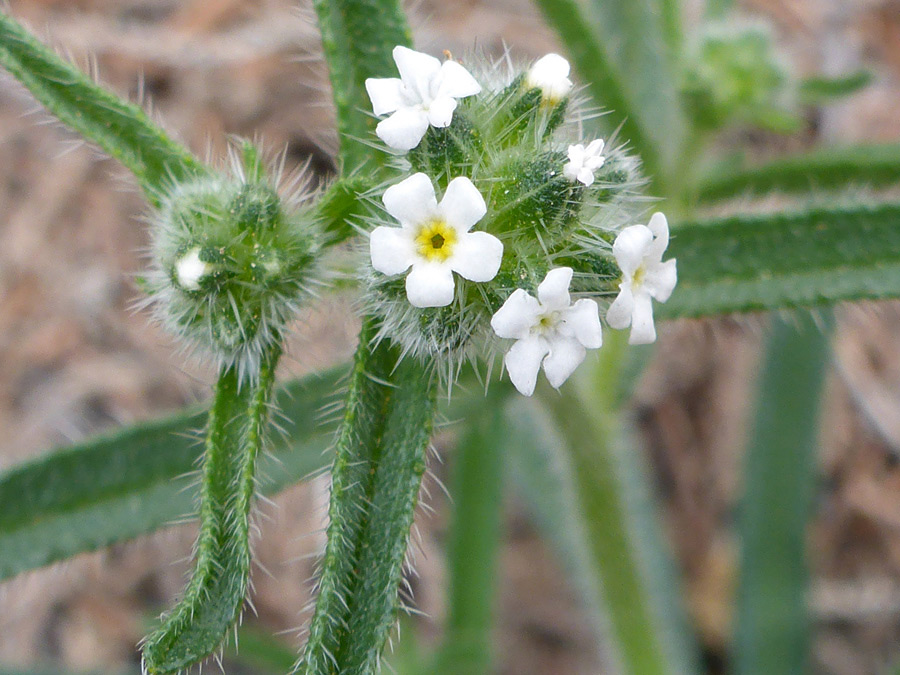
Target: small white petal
x=440 y=111
x=385 y=94
x=642 y=329
x=594 y=163
x=594 y=148
x=454 y=80
x=411 y=201
x=586 y=176
x=661 y=280
x=189 y=270
x=404 y=129
x=576 y=154
x=550 y=74
x=523 y=361
x=659 y=226
x=583 y=321
x=391 y=250
x=430 y=285
x=477 y=256
x=462 y=205
x=566 y=354
x=554 y=289
x=572 y=170
x=517 y=316
x=618 y=315
x=417 y=70
x=630 y=247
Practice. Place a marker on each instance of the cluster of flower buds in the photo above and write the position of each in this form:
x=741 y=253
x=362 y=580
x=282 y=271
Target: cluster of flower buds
x=503 y=220
x=232 y=261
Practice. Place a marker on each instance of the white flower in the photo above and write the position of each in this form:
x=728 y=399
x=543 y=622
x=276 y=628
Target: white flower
x=434 y=239
x=583 y=162
x=549 y=330
x=426 y=93
x=638 y=250
x=550 y=74
x=189 y=270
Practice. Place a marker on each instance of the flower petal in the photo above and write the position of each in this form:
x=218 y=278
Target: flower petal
x=583 y=321
x=477 y=256
x=550 y=74
x=566 y=354
x=440 y=111
x=411 y=201
x=659 y=226
x=417 y=70
x=661 y=280
x=642 y=330
x=454 y=80
x=630 y=247
x=391 y=250
x=517 y=316
x=404 y=129
x=385 y=94
x=595 y=147
x=430 y=285
x=462 y=205
x=554 y=289
x=586 y=176
x=618 y=315
x=523 y=361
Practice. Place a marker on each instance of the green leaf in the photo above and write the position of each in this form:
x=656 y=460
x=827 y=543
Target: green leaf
x=620 y=52
x=121 y=129
x=375 y=486
x=772 y=620
x=792 y=259
x=822 y=89
x=358 y=37
x=825 y=169
x=136 y=480
x=214 y=597
x=473 y=542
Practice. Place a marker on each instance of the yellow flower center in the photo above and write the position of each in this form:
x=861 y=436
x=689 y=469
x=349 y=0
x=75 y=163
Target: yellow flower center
x=435 y=241
x=639 y=275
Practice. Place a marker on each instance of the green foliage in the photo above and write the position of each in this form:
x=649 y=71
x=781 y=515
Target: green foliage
x=821 y=89
x=789 y=259
x=214 y=597
x=474 y=541
x=818 y=170
x=780 y=475
x=374 y=491
x=121 y=129
x=355 y=50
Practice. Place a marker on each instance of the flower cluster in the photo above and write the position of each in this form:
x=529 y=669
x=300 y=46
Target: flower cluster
x=525 y=221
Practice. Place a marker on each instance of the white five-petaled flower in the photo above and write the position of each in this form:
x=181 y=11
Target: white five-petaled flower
x=549 y=330
x=189 y=270
x=550 y=74
x=426 y=93
x=584 y=161
x=639 y=249
x=434 y=239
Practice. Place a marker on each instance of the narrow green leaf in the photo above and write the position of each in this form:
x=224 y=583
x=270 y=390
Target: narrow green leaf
x=822 y=89
x=358 y=37
x=214 y=597
x=619 y=51
x=375 y=486
x=121 y=129
x=793 y=259
x=477 y=490
x=825 y=169
x=772 y=618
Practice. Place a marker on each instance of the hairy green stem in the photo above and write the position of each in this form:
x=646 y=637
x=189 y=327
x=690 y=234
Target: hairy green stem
x=121 y=129
x=474 y=540
x=772 y=618
x=358 y=37
x=214 y=597
x=375 y=485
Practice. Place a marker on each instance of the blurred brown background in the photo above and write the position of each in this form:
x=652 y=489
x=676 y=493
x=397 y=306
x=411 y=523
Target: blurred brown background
x=75 y=360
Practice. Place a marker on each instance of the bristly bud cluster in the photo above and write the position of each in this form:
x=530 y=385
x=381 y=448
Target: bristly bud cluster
x=505 y=209
x=232 y=259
